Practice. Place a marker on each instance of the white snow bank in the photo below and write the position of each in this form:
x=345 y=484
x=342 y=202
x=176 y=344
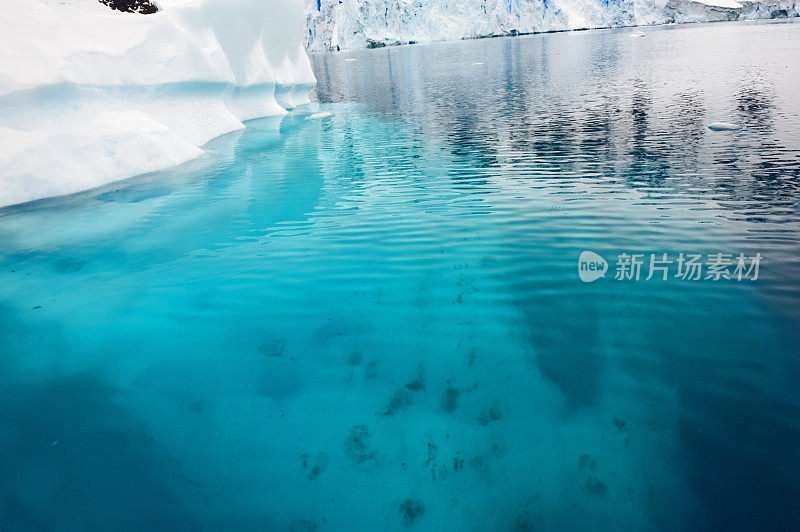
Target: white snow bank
x=89 y=95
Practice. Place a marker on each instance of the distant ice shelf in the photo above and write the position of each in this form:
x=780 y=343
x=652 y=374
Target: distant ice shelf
x=353 y=24
x=90 y=95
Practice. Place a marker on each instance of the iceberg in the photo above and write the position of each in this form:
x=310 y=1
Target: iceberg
x=91 y=95
x=352 y=24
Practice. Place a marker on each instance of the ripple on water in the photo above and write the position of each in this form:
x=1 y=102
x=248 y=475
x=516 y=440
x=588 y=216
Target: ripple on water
x=374 y=320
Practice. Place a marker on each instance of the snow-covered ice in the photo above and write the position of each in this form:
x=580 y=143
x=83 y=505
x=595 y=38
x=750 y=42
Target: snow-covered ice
x=721 y=3
x=89 y=95
x=352 y=24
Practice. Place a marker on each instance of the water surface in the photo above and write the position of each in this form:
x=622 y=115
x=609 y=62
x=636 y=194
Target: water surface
x=374 y=320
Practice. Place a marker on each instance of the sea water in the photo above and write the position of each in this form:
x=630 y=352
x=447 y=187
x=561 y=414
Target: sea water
x=369 y=314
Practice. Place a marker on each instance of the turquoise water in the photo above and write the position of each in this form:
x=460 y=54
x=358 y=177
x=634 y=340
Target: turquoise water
x=374 y=320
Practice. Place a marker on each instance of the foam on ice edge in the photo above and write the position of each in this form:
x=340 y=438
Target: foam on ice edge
x=89 y=95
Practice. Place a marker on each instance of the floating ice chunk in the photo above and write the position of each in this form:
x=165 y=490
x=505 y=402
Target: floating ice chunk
x=319 y=116
x=637 y=34
x=349 y=59
x=474 y=64
x=722 y=126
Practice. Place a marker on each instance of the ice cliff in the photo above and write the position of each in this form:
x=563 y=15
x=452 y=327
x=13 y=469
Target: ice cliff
x=89 y=95
x=349 y=24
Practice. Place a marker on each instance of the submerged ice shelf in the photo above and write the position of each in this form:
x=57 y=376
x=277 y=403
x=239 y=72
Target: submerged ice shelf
x=89 y=95
x=342 y=325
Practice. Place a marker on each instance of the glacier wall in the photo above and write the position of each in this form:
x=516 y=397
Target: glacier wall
x=89 y=95
x=351 y=24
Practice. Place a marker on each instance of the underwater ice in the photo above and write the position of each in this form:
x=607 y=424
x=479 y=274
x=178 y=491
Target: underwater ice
x=89 y=95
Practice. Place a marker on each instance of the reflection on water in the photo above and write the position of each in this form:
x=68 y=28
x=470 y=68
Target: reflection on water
x=600 y=115
x=604 y=112
x=373 y=321
x=634 y=109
